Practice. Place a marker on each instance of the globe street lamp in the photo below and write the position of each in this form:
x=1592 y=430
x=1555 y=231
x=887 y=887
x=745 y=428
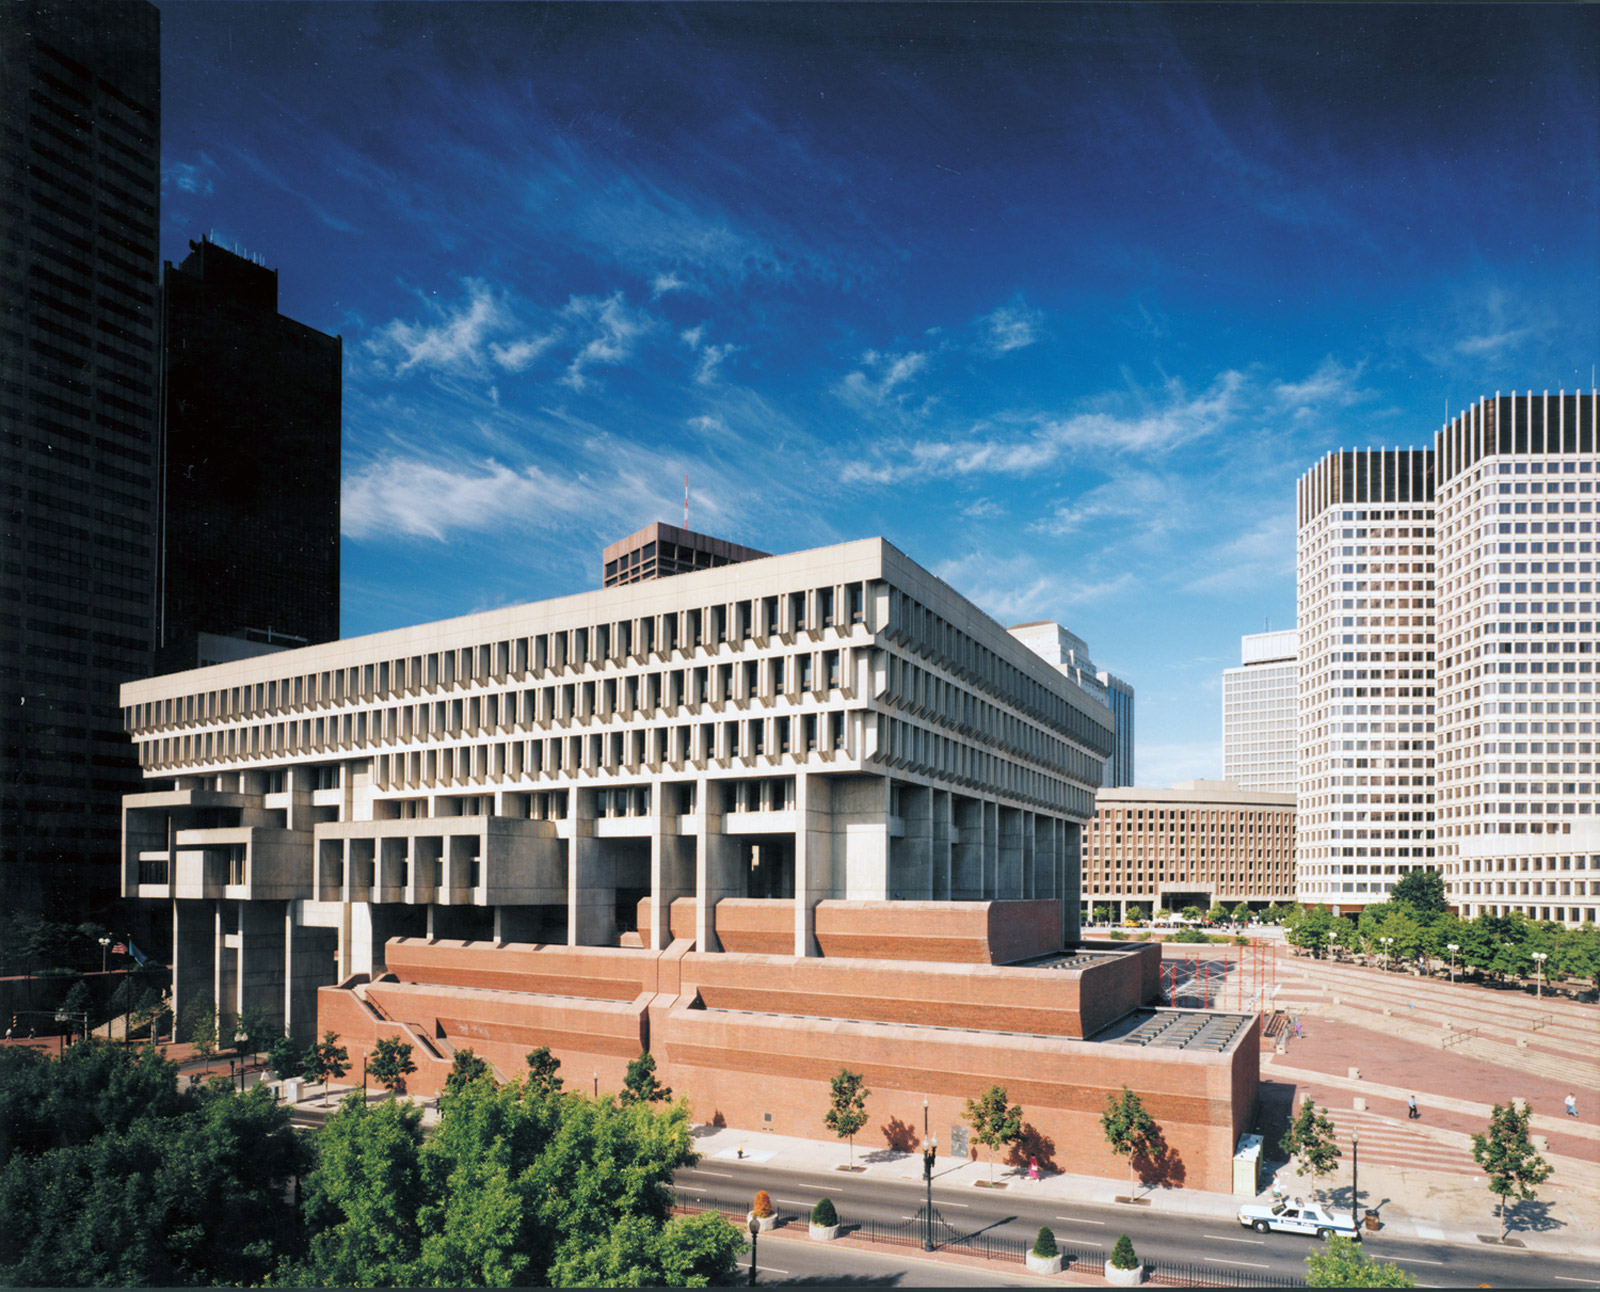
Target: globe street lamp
x=1387 y=943
x=1452 y=948
x=105 y=944
x=930 y=1150
x=597 y=1096
x=755 y=1228
x=924 y=1116
x=1539 y=957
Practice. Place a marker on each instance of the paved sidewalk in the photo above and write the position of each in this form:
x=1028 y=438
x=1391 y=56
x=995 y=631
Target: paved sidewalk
x=1414 y=1203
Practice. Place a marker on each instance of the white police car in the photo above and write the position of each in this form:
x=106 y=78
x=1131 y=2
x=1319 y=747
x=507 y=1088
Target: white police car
x=1295 y=1218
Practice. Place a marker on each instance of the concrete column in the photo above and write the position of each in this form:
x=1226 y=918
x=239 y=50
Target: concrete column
x=941 y=846
x=1030 y=854
x=263 y=973
x=1072 y=882
x=861 y=837
x=721 y=873
x=966 y=860
x=813 y=857
x=991 y=850
x=310 y=963
x=194 y=962
x=911 y=875
x=591 y=878
x=672 y=865
x=1009 y=862
x=299 y=782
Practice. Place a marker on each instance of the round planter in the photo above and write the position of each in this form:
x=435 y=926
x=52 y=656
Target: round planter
x=824 y=1233
x=1124 y=1278
x=764 y=1223
x=1044 y=1264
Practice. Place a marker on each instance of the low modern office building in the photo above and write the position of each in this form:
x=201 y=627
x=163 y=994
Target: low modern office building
x=762 y=820
x=1260 y=700
x=1196 y=844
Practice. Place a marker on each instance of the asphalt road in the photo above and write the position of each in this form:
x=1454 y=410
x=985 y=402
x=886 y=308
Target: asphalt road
x=1093 y=1229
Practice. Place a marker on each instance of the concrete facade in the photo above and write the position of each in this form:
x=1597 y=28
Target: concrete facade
x=1198 y=843
x=1066 y=651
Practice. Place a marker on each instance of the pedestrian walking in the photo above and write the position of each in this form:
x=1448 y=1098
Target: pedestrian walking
x=1297 y=1027
x=1572 y=1105
x=1411 y=1107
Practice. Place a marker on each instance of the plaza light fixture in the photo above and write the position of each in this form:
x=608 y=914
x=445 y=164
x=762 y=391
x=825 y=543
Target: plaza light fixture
x=1539 y=957
x=1452 y=948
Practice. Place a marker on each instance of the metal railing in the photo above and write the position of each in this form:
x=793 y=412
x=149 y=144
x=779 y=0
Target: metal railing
x=1177 y=1274
x=1544 y=1020
x=1456 y=1038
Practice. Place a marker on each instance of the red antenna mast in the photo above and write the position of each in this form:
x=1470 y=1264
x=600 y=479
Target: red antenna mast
x=686 y=500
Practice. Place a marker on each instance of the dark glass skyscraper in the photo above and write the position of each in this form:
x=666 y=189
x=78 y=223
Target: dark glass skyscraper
x=81 y=96
x=252 y=400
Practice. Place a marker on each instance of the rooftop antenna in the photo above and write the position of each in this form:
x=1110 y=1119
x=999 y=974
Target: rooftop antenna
x=686 y=500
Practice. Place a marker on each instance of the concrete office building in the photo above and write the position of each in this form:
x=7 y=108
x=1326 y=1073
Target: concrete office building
x=762 y=820
x=251 y=404
x=1502 y=796
x=1260 y=698
x=81 y=89
x=1519 y=641
x=1069 y=653
x=659 y=551
x=1195 y=844
x=1365 y=597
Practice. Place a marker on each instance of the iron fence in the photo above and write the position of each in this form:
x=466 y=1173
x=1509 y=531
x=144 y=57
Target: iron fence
x=1177 y=1274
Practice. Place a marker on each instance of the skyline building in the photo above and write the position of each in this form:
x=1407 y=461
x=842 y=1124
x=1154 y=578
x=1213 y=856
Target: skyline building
x=1259 y=722
x=1198 y=843
x=659 y=551
x=251 y=429
x=1519 y=639
x=82 y=112
x=1448 y=643
x=1365 y=605
x=1065 y=651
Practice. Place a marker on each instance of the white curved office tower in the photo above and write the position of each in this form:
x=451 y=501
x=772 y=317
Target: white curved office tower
x=1366 y=628
x=1519 y=637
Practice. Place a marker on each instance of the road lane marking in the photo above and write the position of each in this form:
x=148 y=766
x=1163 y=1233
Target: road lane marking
x=1084 y=1242
x=790 y=1202
x=1076 y=1221
x=717 y=1175
x=1217 y=1260
x=1417 y=1260
x=1224 y=1238
x=1565 y=1279
x=942 y=1203
x=769 y=1269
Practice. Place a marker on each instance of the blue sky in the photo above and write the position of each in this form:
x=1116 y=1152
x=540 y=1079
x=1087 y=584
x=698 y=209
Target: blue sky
x=1061 y=300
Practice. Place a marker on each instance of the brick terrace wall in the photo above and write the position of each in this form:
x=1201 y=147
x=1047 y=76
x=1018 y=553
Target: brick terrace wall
x=981 y=997
x=772 y=1073
x=601 y=973
x=945 y=932
x=763 y=926
x=680 y=919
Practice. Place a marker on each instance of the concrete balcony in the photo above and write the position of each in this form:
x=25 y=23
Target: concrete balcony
x=451 y=861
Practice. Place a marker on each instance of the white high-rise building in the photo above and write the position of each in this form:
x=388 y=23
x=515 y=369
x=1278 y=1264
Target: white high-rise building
x=1066 y=651
x=1476 y=756
x=1259 y=704
x=1366 y=737
x=1519 y=636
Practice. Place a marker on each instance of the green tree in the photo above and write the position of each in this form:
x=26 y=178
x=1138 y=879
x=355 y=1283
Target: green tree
x=288 y=1058
x=364 y=1198
x=1132 y=1132
x=1241 y=913
x=1218 y=913
x=77 y=1007
x=847 y=1108
x=1193 y=914
x=465 y=1068
x=1309 y=929
x=1508 y=1158
x=390 y=1062
x=1122 y=1256
x=993 y=1122
x=191 y=1191
x=124 y=1001
x=1102 y=914
x=542 y=1069
x=687 y=1251
x=1311 y=1138
x=1342 y=933
x=640 y=1084
x=197 y=1024
x=1422 y=891
x=329 y=1061
x=1044 y=1243
x=1136 y=913
x=1340 y=1263
x=257 y=1027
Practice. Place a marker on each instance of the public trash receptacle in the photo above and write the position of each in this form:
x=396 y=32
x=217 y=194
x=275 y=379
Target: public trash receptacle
x=1372 y=1220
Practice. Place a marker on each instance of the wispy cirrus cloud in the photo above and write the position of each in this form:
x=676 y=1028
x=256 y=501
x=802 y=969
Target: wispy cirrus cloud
x=455 y=338
x=197 y=178
x=878 y=382
x=1013 y=326
x=1012 y=585
x=708 y=355
x=613 y=330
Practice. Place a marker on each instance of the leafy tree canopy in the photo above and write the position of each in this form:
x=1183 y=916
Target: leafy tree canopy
x=1311 y=1137
x=542 y=1069
x=465 y=1068
x=1340 y=1263
x=390 y=1062
x=1422 y=891
x=993 y=1122
x=847 y=1107
x=641 y=1086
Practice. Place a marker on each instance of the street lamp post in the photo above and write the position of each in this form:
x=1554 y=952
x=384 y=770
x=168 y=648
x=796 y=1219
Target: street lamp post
x=930 y=1150
x=1452 y=948
x=1387 y=943
x=1355 y=1177
x=1539 y=957
x=755 y=1228
x=597 y=1096
x=105 y=944
x=924 y=1116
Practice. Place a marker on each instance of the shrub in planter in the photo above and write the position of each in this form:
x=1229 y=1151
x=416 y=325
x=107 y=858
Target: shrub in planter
x=1044 y=1258
x=761 y=1207
x=1122 y=1257
x=823 y=1213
